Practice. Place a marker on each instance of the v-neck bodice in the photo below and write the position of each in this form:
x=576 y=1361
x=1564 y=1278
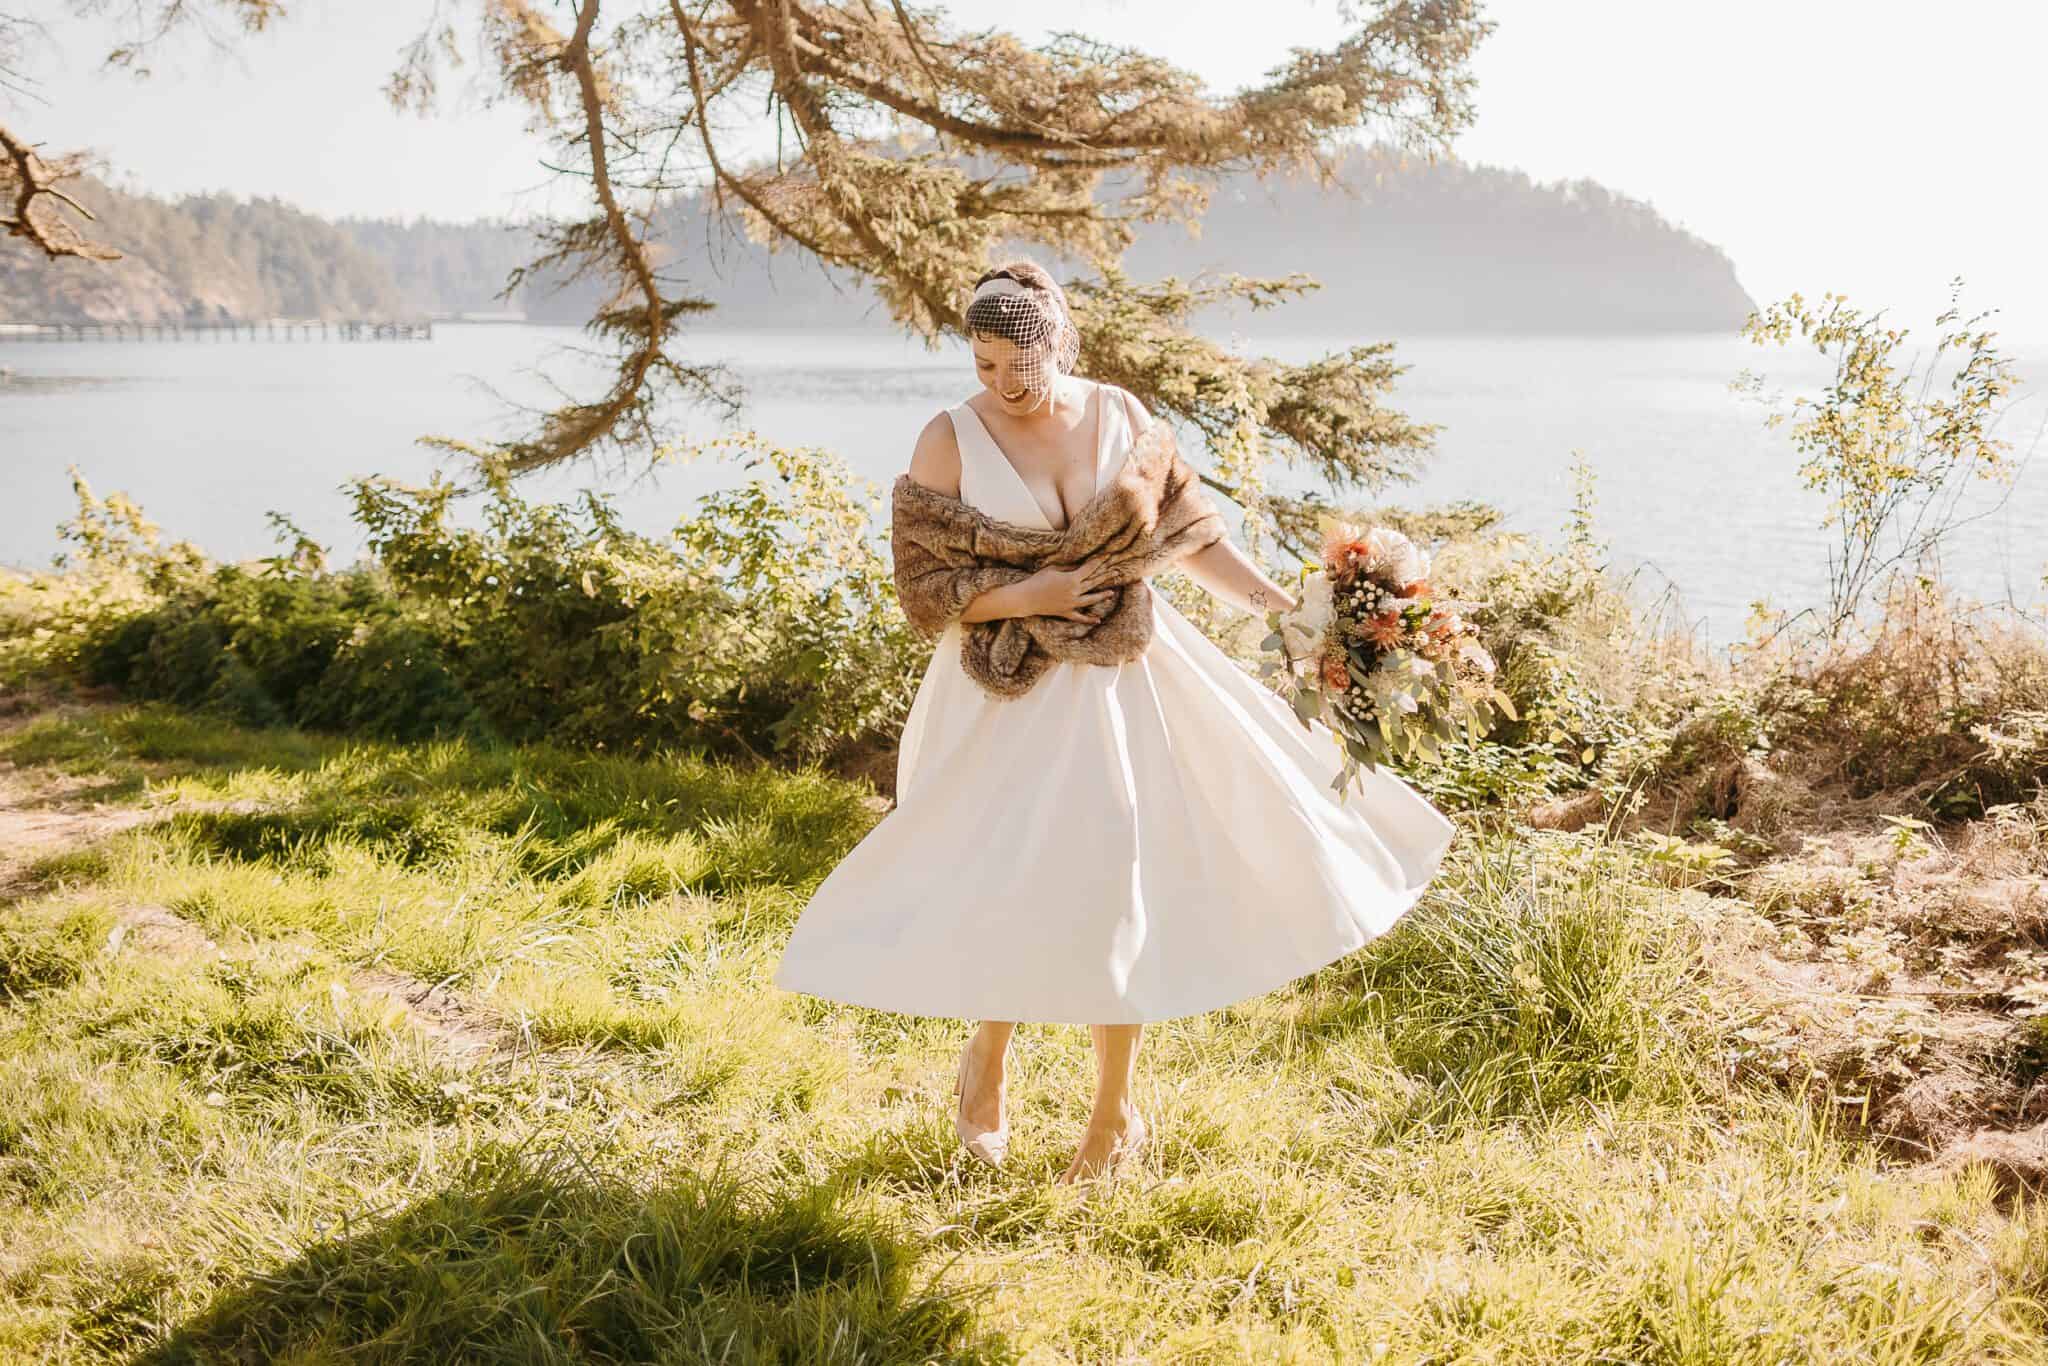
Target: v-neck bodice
x=992 y=484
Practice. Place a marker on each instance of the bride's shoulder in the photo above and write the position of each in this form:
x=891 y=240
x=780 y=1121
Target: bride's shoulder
x=935 y=460
x=1134 y=411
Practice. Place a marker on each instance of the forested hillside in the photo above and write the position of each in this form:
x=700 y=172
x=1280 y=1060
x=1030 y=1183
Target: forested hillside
x=1404 y=248
x=1408 y=248
x=202 y=257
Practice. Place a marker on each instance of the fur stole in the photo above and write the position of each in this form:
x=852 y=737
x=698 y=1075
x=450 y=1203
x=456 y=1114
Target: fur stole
x=1152 y=512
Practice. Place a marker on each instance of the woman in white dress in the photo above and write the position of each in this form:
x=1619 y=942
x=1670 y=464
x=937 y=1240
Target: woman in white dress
x=1118 y=844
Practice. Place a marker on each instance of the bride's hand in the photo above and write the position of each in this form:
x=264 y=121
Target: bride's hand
x=1070 y=593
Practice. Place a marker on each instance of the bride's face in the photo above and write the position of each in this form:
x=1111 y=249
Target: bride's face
x=1008 y=372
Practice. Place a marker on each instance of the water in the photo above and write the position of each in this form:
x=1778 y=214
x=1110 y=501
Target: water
x=1692 y=490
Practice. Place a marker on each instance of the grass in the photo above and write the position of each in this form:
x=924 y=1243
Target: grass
x=1503 y=1133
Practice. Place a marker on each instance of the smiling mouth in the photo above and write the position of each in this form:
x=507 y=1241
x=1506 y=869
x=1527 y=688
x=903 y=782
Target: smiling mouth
x=1013 y=398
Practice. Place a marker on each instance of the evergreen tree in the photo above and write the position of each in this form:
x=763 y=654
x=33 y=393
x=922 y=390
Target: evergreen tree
x=914 y=153
x=911 y=154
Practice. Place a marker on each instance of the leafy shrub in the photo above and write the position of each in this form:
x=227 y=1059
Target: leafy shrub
x=117 y=566
x=257 y=647
x=1889 y=446
x=767 y=625
x=391 y=678
x=1491 y=773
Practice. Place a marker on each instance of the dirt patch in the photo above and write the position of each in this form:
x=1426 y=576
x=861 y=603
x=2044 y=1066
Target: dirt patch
x=2018 y=1161
x=448 y=1022
x=452 y=1026
x=872 y=762
x=1575 y=812
x=44 y=814
x=31 y=833
x=156 y=929
x=1893 y=971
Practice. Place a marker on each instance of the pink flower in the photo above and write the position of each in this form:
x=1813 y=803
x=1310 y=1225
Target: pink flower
x=1339 y=541
x=1336 y=675
x=1384 y=630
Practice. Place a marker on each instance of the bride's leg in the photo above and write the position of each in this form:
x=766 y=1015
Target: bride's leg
x=983 y=1073
x=1114 y=1125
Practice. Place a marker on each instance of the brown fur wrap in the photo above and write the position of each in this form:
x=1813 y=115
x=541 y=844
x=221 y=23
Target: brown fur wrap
x=947 y=553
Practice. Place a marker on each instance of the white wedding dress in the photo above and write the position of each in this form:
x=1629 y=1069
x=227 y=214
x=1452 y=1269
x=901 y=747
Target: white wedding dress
x=1117 y=845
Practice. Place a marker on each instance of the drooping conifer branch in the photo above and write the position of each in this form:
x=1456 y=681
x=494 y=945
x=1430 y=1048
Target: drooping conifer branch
x=910 y=153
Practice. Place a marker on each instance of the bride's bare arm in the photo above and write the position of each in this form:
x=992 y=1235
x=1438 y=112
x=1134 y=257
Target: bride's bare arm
x=935 y=463
x=1048 y=593
x=935 y=460
x=1228 y=574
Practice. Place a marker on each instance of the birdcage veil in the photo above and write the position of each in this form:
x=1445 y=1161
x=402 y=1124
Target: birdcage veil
x=1024 y=306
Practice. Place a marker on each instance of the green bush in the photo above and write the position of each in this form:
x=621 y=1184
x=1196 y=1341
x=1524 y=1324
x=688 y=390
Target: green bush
x=767 y=624
x=257 y=647
x=115 y=566
x=390 y=678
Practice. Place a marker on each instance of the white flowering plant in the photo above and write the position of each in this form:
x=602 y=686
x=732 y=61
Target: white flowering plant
x=1376 y=654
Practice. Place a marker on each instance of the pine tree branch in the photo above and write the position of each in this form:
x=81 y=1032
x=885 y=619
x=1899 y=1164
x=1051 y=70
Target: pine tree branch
x=627 y=410
x=25 y=180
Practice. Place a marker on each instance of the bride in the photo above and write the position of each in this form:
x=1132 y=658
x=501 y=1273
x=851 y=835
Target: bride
x=1100 y=818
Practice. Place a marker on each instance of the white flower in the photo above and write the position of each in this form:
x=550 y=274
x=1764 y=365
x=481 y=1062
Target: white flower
x=1396 y=556
x=1302 y=629
x=1316 y=606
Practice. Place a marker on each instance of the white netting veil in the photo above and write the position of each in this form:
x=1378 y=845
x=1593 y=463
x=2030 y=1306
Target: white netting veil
x=1030 y=314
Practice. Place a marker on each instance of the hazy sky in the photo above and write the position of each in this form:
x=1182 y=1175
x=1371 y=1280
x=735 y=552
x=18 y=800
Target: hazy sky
x=1873 y=147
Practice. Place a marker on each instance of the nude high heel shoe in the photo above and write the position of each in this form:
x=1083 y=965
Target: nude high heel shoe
x=990 y=1145
x=1123 y=1152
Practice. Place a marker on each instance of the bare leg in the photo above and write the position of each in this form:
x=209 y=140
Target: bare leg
x=982 y=1075
x=1114 y=1125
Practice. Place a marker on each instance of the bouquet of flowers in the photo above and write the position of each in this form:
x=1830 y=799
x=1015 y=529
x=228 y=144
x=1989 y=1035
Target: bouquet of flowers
x=1373 y=652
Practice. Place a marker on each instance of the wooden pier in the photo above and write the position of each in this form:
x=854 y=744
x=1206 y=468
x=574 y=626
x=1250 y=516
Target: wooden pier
x=267 y=329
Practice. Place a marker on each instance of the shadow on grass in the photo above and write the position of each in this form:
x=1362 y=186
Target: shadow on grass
x=541 y=1259
x=128 y=743
x=555 y=811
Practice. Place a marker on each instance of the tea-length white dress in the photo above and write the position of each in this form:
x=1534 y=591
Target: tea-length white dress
x=1117 y=845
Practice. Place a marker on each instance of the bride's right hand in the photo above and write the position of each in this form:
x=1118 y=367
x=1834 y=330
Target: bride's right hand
x=1069 y=593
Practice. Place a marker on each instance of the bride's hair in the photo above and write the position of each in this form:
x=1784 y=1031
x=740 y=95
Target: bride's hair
x=1019 y=302
x=1025 y=272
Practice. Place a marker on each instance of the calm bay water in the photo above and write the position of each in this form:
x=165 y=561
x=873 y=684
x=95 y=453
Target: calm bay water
x=1692 y=490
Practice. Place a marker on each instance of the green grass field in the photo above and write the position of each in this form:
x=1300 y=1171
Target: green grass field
x=313 y=1050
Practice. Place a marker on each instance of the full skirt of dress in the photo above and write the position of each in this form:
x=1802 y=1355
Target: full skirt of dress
x=1118 y=845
